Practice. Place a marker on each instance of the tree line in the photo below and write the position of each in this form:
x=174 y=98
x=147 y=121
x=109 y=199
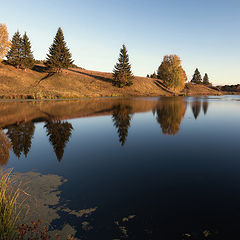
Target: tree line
x=19 y=54
x=168 y=78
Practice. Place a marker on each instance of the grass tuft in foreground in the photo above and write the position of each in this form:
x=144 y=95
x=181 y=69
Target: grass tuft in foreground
x=12 y=199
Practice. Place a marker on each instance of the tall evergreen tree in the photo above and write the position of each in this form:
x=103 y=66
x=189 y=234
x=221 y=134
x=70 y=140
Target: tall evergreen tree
x=59 y=134
x=14 y=56
x=27 y=55
x=197 y=78
x=205 y=79
x=122 y=73
x=59 y=56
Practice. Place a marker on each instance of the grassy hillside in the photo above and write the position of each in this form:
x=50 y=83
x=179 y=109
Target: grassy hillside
x=74 y=83
x=197 y=89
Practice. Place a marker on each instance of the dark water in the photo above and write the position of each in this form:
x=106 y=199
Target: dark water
x=171 y=164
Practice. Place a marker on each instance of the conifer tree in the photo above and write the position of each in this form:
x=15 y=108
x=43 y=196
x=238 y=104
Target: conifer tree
x=122 y=74
x=197 y=78
x=59 y=56
x=14 y=56
x=27 y=55
x=205 y=79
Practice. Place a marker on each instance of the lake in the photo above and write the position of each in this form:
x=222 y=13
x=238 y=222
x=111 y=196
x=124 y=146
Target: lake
x=132 y=168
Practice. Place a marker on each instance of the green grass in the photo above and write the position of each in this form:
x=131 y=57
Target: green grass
x=12 y=199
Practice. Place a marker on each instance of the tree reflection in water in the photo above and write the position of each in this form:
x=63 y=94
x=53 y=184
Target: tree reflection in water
x=196 y=108
x=59 y=134
x=121 y=117
x=5 y=146
x=21 y=137
x=205 y=107
x=170 y=114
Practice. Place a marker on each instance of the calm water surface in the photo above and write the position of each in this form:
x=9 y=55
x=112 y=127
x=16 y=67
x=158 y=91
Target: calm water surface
x=140 y=168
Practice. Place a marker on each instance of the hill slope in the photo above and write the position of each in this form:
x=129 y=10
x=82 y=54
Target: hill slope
x=73 y=83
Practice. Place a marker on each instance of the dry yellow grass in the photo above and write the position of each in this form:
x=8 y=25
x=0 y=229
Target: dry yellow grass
x=70 y=83
x=198 y=89
x=79 y=83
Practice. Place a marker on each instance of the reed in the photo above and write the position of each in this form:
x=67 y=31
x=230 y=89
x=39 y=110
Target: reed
x=12 y=199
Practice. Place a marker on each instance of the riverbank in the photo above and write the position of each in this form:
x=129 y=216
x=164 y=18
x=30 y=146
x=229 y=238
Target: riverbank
x=79 y=83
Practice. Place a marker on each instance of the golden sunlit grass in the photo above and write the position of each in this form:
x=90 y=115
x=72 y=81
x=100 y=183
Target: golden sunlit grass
x=72 y=83
x=12 y=199
x=79 y=83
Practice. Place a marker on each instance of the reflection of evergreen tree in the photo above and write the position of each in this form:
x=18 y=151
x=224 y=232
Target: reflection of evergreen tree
x=59 y=134
x=5 y=147
x=205 y=107
x=196 y=108
x=21 y=137
x=170 y=114
x=121 y=117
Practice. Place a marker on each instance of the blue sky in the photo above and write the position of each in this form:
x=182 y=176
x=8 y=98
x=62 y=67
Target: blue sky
x=205 y=34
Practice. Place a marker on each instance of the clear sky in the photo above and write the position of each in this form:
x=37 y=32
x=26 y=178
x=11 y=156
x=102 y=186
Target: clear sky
x=205 y=34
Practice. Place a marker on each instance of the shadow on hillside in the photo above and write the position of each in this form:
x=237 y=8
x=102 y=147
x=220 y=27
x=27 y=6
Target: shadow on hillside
x=45 y=77
x=39 y=68
x=109 y=80
x=161 y=85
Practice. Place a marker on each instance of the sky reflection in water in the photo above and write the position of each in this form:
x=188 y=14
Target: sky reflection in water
x=171 y=164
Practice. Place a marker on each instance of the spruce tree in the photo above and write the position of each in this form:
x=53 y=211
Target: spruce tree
x=122 y=74
x=59 y=55
x=14 y=56
x=27 y=55
x=205 y=79
x=197 y=78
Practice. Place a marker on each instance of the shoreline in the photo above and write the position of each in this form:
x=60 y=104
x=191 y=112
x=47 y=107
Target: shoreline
x=8 y=99
x=77 y=84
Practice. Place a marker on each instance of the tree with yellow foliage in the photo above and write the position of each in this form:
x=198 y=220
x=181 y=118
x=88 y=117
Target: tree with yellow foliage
x=4 y=41
x=172 y=73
